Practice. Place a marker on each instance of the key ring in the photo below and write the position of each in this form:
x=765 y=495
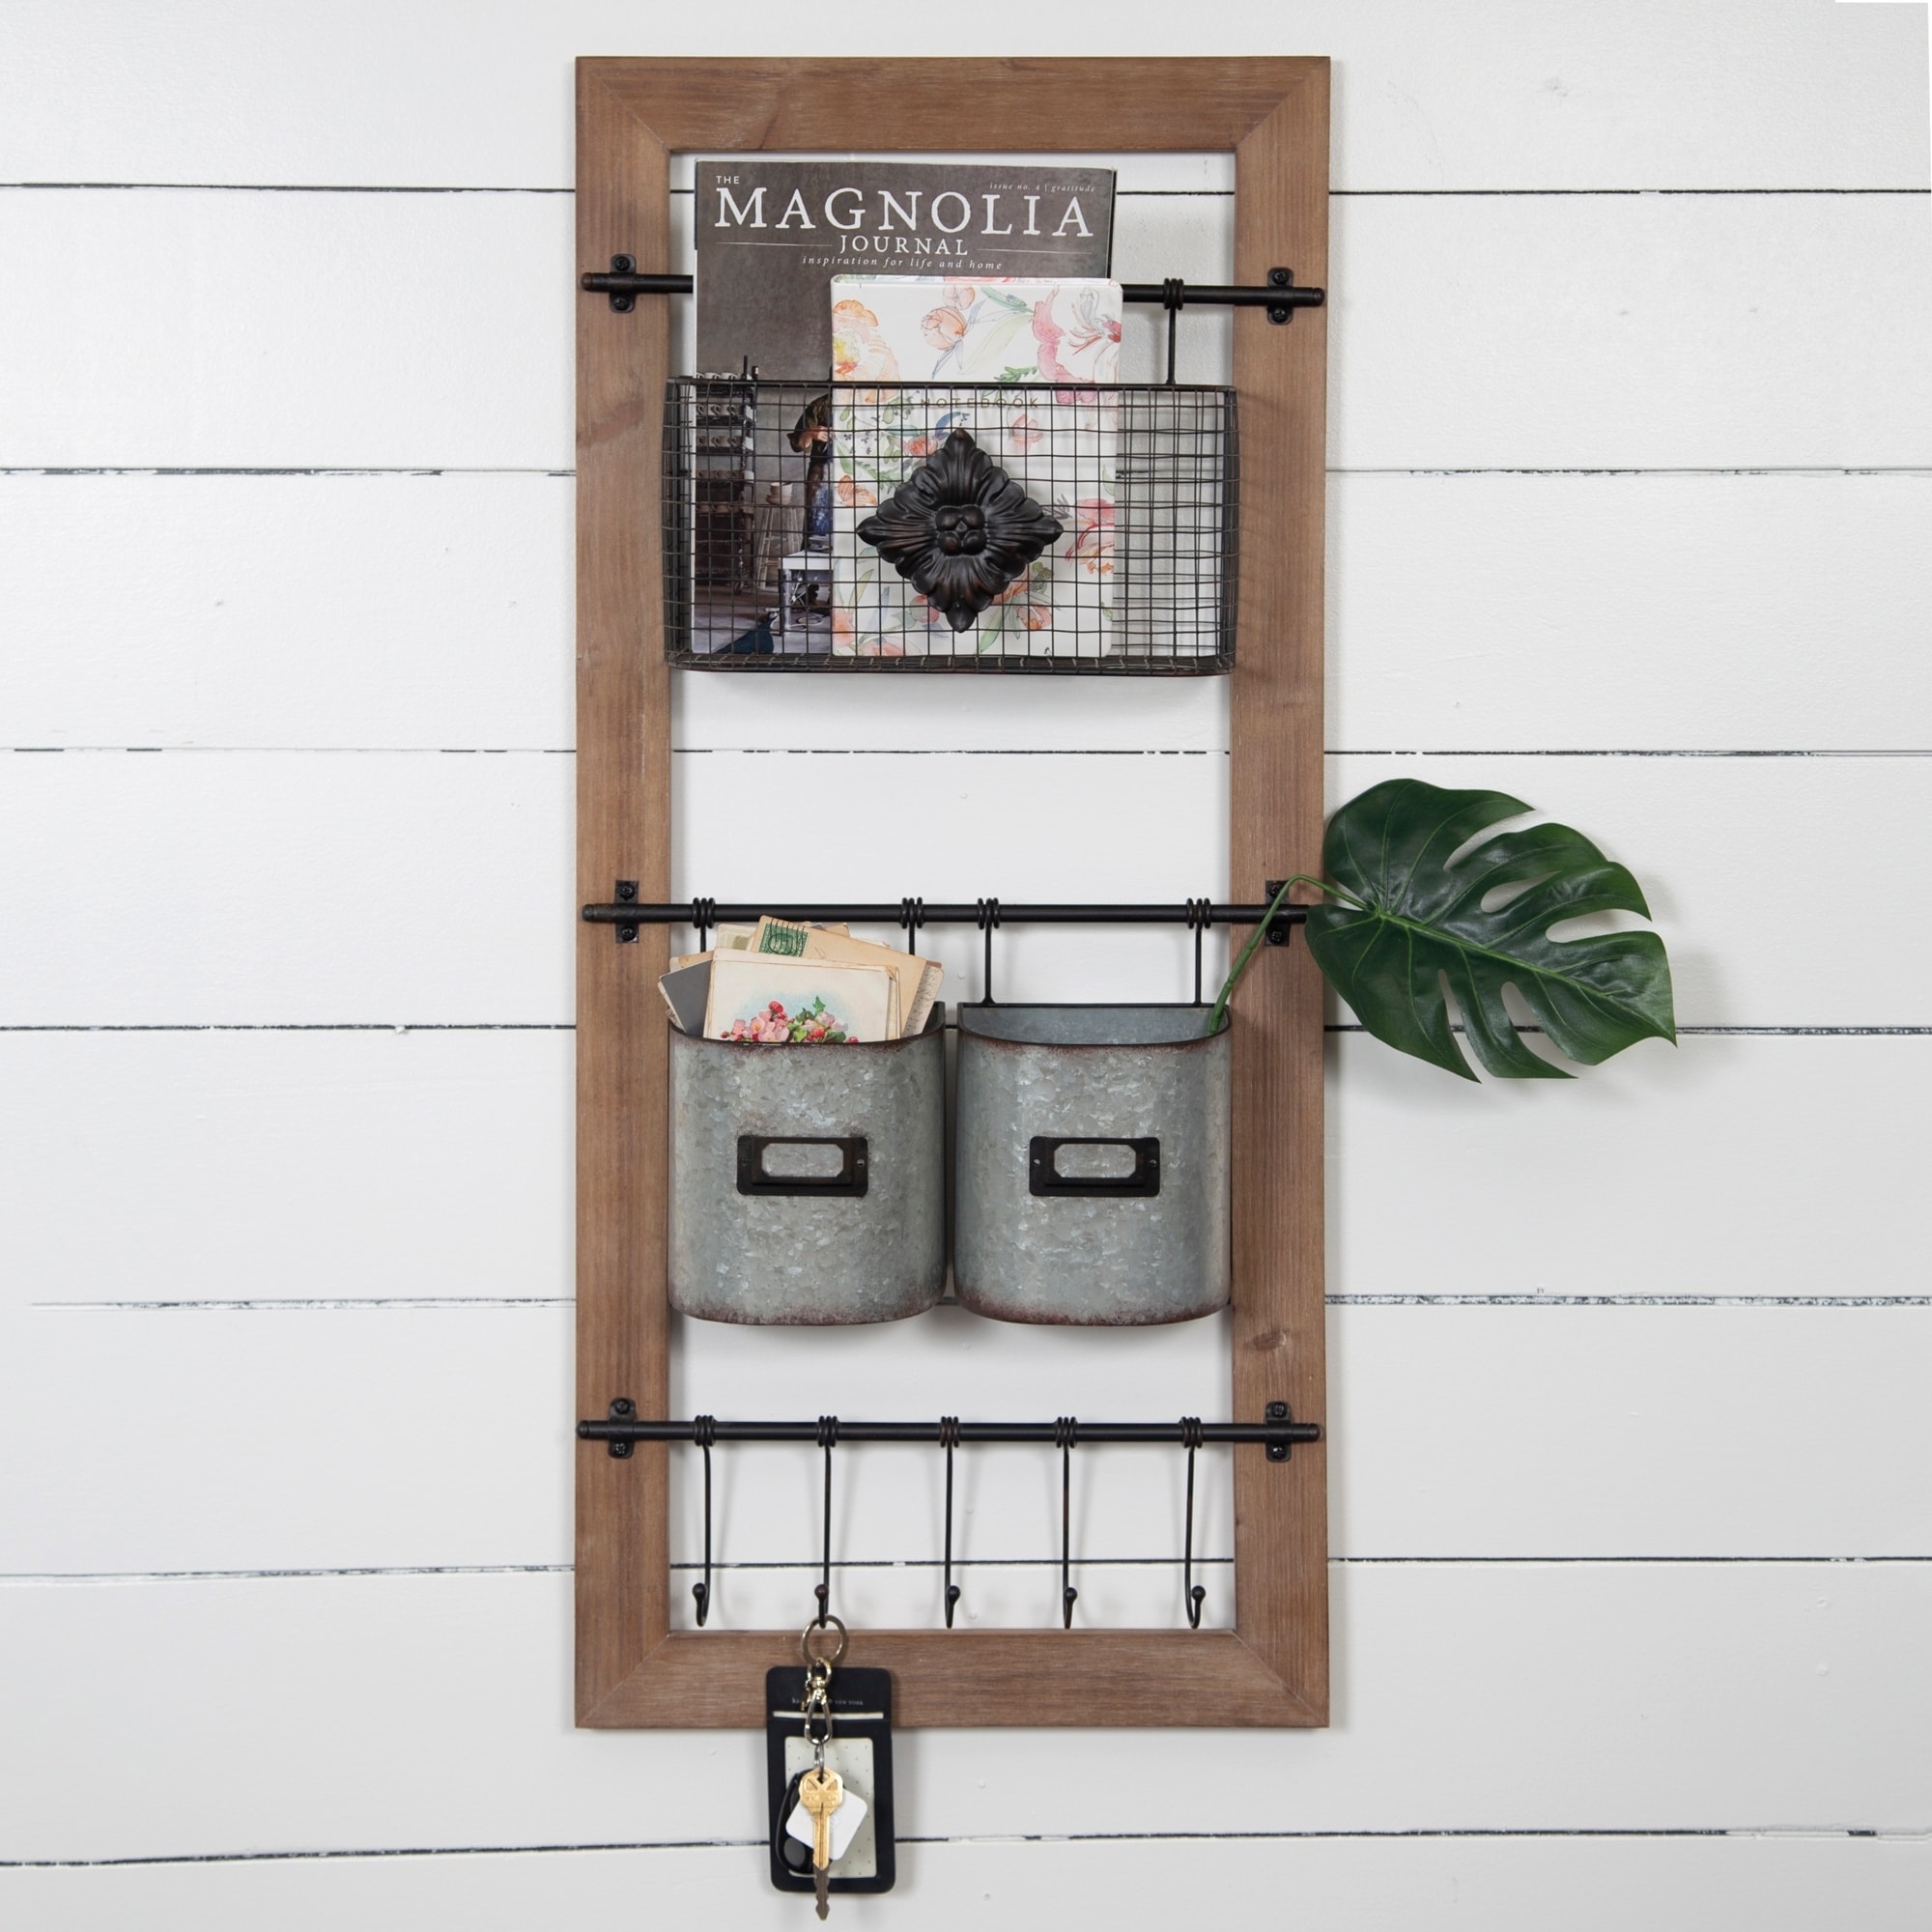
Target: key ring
x=811 y=1658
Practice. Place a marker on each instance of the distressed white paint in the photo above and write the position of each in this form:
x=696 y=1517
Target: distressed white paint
x=370 y=856
x=320 y=1438
x=1502 y=612
x=1778 y=1882
x=1514 y=95
x=303 y=854
x=433 y=1711
x=1508 y=331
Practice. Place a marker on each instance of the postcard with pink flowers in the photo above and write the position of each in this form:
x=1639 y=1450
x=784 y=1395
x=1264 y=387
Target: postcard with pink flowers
x=765 y=999
x=973 y=338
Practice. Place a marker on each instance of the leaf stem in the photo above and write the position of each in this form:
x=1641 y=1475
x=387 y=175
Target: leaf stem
x=1218 y=1017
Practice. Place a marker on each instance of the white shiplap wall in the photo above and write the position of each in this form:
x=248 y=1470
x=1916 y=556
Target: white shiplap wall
x=1631 y=476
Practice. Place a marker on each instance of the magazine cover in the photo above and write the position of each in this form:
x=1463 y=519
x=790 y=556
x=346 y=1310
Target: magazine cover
x=771 y=235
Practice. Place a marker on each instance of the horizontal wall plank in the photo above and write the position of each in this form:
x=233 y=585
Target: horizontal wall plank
x=1472 y=331
x=253 y=887
x=291 y=1166
x=372 y=1438
x=276 y=888
x=395 y=612
x=1501 y=612
x=285 y=1166
x=1783 y=1883
x=220 y=1716
x=1627 y=334
x=406 y=889
x=358 y=331
x=1735 y=94
x=397 y=1437
x=1728 y=1167
x=1730 y=612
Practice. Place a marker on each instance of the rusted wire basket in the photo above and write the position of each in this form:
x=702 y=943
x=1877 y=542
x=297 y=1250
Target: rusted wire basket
x=949 y=527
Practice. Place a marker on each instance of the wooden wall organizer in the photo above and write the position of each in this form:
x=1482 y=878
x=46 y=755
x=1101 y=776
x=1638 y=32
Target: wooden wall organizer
x=633 y=1670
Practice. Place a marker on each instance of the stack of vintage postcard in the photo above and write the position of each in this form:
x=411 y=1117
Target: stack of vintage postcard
x=964 y=344
x=779 y=983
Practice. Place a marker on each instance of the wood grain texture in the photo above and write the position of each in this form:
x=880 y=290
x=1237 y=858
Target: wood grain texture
x=1272 y=1671
x=1047 y=107
x=970 y=1677
x=1275 y=817
x=623 y=832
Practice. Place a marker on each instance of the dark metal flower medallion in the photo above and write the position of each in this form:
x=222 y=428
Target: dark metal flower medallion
x=959 y=529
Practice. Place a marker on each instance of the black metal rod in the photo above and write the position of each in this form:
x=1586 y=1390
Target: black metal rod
x=1276 y=1434
x=635 y=912
x=1222 y=295
x=1211 y=294
x=634 y=284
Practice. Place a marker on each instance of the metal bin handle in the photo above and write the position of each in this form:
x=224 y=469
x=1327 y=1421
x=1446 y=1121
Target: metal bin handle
x=1044 y=1175
x=850 y=1180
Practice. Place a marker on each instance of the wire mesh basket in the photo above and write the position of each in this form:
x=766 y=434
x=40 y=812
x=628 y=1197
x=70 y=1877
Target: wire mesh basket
x=949 y=527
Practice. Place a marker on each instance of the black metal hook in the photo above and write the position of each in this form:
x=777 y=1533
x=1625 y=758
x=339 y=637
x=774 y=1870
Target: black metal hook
x=912 y=916
x=828 y=1437
x=1173 y=299
x=1200 y=917
x=990 y=917
x=704 y=916
x=1066 y=1433
x=1196 y=1595
x=705 y=1431
x=948 y=1437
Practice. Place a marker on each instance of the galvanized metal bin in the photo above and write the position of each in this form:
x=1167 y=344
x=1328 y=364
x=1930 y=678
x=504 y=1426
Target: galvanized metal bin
x=808 y=1182
x=1090 y=1164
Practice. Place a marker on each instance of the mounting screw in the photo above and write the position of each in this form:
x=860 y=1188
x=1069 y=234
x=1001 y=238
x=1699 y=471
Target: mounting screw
x=627 y=889
x=1277 y=1452
x=1279 y=930
x=627 y=935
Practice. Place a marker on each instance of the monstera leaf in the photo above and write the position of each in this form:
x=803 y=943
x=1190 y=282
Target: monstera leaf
x=1421 y=920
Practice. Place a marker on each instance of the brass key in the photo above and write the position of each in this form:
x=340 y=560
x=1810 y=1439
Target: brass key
x=821 y=1791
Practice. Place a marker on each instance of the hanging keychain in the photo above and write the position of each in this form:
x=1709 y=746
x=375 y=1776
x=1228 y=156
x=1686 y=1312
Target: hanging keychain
x=828 y=1769
x=829 y=1754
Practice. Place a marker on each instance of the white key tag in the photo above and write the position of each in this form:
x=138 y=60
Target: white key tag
x=845 y=1823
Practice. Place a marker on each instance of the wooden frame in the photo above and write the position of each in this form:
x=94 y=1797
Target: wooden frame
x=631 y=1669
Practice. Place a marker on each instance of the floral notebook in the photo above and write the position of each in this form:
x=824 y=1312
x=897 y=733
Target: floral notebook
x=1059 y=442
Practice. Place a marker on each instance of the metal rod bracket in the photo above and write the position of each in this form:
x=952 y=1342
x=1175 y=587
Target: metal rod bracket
x=1284 y=922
